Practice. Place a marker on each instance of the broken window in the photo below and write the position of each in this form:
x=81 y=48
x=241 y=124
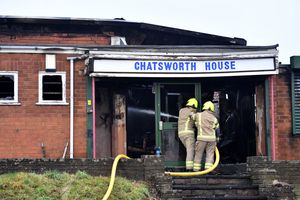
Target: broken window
x=52 y=87
x=8 y=87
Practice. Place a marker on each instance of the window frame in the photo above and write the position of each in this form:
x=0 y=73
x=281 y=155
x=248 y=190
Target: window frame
x=15 y=101
x=40 y=95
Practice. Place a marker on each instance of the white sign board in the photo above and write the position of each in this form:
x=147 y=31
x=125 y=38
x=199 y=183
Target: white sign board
x=184 y=68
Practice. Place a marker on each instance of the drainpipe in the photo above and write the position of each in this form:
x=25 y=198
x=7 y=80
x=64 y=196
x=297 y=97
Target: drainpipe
x=72 y=59
x=273 y=139
x=71 y=107
x=94 y=118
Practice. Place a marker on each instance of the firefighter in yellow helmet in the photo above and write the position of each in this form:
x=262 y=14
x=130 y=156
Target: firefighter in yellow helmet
x=186 y=131
x=206 y=124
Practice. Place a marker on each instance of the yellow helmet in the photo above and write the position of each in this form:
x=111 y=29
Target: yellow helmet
x=209 y=106
x=192 y=102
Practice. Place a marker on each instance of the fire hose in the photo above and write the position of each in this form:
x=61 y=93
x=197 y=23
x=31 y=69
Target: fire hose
x=113 y=175
x=114 y=168
x=206 y=171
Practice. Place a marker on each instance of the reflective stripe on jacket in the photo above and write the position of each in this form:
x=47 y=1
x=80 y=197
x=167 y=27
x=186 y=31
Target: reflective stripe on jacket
x=206 y=124
x=185 y=122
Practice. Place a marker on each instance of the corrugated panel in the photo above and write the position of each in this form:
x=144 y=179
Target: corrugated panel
x=296 y=102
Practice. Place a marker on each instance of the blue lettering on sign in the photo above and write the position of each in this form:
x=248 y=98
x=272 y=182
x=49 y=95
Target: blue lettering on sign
x=168 y=65
x=165 y=66
x=213 y=65
x=149 y=67
x=193 y=66
x=136 y=65
x=232 y=64
x=219 y=65
x=160 y=66
x=142 y=66
x=154 y=66
x=181 y=64
x=175 y=66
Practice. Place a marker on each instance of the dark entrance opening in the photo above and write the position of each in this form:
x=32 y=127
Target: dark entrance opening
x=140 y=119
x=125 y=117
x=234 y=101
x=173 y=97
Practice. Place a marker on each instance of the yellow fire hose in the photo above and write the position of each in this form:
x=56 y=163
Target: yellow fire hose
x=113 y=175
x=114 y=168
x=198 y=172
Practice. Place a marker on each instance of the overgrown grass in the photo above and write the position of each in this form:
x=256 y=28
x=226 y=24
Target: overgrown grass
x=54 y=185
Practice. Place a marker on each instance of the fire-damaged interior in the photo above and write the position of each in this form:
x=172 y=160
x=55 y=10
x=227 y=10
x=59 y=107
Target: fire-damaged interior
x=234 y=101
x=126 y=115
x=139 y=112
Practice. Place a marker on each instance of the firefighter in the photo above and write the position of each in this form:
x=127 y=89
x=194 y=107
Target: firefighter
x=206 y=124
x=186 y=131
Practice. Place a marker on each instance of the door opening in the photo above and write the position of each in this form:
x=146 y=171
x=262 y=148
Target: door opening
x=103 y=99
x=172 y=98
x=234 y=101
x=125 y=117
x=140 y=120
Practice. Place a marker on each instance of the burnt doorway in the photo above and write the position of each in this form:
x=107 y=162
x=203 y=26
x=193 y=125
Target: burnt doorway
x=140 y=119
x=172 y=97
x=234 y=100
x=124 y=117
x=103 y=122
x=110 y=120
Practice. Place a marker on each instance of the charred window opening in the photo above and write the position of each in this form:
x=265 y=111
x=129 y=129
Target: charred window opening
x=7 y=85
x=52 y=88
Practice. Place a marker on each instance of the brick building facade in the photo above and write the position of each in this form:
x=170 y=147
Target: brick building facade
x=287 y=141
x=27 y=128
x=33 y=127
x=30 y=129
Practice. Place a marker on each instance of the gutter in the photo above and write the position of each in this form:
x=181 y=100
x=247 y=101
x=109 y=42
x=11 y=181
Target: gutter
x=41 y=49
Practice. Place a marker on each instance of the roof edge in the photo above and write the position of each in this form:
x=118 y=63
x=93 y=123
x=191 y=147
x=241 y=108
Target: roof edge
x=118 y=22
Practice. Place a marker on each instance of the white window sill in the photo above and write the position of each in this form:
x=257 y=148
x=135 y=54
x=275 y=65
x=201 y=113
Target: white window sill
x=10 y=103
x=52 y=103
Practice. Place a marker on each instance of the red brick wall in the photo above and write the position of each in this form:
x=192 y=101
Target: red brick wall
x=287 y=145
x=80 y=132
x=66 y=39
x=24 y=128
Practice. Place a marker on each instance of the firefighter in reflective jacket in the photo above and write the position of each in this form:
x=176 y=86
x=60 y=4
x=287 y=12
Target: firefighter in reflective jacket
x=206 y=124
x=186 y=131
